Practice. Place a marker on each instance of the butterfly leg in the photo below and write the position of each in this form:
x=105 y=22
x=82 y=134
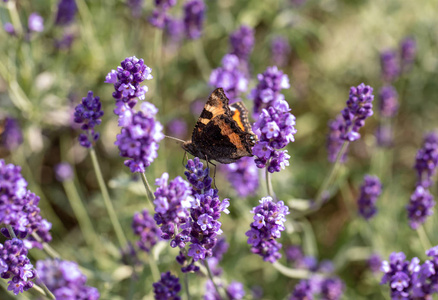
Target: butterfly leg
x=214 y=174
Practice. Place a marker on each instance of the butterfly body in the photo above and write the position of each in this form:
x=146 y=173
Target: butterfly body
x=223 y=132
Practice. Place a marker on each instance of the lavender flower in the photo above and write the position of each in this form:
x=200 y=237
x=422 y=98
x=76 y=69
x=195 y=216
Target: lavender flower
x=230 y=78
x=390 y=65
x=144 y=226
x=88 y=113
x=242 y=42
x=35 y=22
x=334 y=142
x=374 y=263
x=167 y=288
x=426 y=161
x=267 y=92
x=384 y=135
x=328 y=289
x=369 y=192
x=235 y=291
x=302 y=291
x=332 y=289
x=159 y=15
x=136 y=7
x=65 y=42
x=408 y=52
x=243 y=176
x=65 y=280
x=193 y=18
x=275 y=129
x=19 y=207
x=14 y=264
x=66 y=12
x=205 y=213
x=64 y=172
x=175 y=29
x=220 y=248
x=172 y=203
x=9 y=28
x=269 y=218
x=399 y=274
x=12 y=136
x=280 y=51
x=139 y=139
x=127 y=79
x=177 y=128
x=420 y=206
x=294 y=254
x=359 y=107
x=388 y=101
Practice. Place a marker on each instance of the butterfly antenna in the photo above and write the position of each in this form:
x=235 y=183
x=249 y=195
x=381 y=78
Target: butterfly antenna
x=175 y=139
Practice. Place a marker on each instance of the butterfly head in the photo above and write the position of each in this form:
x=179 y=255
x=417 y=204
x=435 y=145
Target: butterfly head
x=192 y=149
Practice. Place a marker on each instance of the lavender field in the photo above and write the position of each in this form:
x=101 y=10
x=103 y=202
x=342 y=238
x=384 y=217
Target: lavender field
x=125 y=174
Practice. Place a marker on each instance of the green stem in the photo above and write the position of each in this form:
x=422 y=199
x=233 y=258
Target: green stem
x=46 y=247
x=319 y=199
x=293 y=273
x=154 y=268
x=81 y=214
x=15 y=18
x=210 y=275
x=149 y=192
x=269 y=183
x=106 y=199
x=11 y=231
x=186 y=285
x=47 y=292
x=424 y=239
x=201 y=59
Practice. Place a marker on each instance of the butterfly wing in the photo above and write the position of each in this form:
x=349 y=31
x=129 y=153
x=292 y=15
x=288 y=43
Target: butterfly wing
x=220 y=132
x=239 y=113
x=224 y=141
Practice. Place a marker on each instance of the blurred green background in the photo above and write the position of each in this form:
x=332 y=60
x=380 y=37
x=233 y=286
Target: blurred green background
x=335 y=45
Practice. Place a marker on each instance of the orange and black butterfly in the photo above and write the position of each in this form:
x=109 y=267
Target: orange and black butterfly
x=223 y=132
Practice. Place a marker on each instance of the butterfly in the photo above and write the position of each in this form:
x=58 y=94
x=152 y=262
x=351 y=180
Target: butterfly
x=222 y=132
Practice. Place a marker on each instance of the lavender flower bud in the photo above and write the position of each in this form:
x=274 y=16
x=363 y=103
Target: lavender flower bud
x=35 y=22
x=408 y=52
x=64 y=172
x=144 y=226
x=369 y=192
x=12 y=136
x=359 y=107
x=65 y=280
x=230 y=78
x=334 y=142
x=280 y=51
x=66 y=12
x=243 y=176
x=420 y=206
x=14 y=264
x=242 y=42
x=390 y=65
x=388 y=101
x=426 y=161
x=269 y=218
x=139 y=139
x=167 y=288
x=275 y=129
x=194 y=11
x=88 y=113
x=267 y=92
